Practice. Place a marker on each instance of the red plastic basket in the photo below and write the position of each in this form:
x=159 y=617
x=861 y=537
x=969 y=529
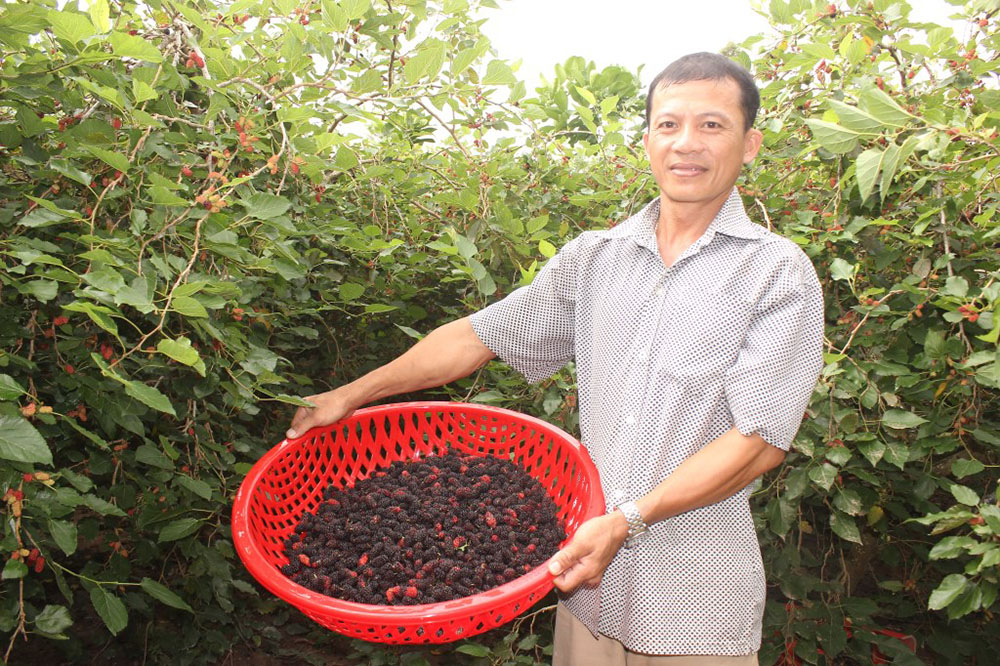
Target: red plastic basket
x=290 y=479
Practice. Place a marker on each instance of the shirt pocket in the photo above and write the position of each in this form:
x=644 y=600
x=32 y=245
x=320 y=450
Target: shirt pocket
x=700 y=338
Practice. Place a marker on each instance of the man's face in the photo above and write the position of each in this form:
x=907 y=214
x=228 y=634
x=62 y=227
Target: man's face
x=696 y=143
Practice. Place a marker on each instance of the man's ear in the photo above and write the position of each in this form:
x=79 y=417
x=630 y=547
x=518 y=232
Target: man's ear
x=751 y=144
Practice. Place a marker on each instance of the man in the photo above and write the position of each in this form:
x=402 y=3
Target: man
x=697 y=337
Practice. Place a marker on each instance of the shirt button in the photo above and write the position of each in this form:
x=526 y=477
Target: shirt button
x=630 y=419
x=658 y=291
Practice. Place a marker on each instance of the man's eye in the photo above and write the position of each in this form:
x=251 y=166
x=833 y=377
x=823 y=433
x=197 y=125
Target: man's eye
x=712 y=124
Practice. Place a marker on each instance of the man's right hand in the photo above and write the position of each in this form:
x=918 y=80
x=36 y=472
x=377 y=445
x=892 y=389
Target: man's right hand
x=447 y=353
x=330 y=408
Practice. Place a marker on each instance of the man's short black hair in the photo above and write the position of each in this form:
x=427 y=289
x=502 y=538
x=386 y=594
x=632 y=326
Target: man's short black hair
x=708 y=66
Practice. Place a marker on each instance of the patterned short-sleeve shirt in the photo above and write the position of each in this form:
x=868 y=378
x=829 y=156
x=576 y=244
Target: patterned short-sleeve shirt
x=668 y=359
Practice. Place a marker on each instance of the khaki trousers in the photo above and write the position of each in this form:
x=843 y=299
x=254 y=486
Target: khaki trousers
x=576 y=646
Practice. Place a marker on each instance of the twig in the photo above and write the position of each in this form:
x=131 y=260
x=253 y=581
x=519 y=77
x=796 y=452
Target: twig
x=763 y=210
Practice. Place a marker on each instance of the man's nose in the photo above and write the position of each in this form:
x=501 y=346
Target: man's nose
x=687 y=139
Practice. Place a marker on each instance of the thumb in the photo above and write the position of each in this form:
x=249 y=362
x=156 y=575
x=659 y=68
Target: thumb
x=563 y=560
x=300 y=424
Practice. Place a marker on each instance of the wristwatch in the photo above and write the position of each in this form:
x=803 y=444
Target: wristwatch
x=637 y=527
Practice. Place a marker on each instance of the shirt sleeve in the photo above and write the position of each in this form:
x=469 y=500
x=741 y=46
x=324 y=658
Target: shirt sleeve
x=769 y=385
x=533 y=328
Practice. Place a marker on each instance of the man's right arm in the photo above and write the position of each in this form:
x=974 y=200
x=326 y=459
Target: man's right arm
x=449 y=352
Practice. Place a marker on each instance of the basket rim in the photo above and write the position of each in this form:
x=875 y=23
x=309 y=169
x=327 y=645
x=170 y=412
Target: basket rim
x=537 y=580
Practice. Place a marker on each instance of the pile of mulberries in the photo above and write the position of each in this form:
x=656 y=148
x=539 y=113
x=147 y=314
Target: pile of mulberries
x=424 y=531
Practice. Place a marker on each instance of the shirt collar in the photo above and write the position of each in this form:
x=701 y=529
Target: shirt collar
x=731 y=220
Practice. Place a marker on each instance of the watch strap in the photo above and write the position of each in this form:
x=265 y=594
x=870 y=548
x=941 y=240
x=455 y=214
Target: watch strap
x=637 y=527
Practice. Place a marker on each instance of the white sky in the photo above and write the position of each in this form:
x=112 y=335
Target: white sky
x=543 y=33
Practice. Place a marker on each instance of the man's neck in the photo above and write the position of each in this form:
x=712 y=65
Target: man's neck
x=680 y=225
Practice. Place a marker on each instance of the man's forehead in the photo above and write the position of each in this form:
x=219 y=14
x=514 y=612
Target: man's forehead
x=718 y=93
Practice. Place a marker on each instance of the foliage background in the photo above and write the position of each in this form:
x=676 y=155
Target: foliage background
x=207 y=208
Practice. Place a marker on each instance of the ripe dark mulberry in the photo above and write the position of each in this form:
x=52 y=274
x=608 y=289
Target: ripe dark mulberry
x=425 y=531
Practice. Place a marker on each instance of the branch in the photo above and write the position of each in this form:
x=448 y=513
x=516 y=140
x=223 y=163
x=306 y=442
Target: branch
x=447 y=127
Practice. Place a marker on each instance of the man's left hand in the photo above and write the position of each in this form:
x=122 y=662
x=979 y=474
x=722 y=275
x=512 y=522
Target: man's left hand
x=588 y=554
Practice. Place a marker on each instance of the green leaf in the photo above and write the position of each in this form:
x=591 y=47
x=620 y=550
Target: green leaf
x=463 y=59
x=161 y=196
x=866 y=171
x=334 y=16
x=292 y=400
x=14 y=569
x=101 y=506
x=884 y=108
x=53 y=619
x=181 y=351
x=345 y=158
x=842 y=270
x=351 y=291
x=823 y=476
x=586 y=94
x=179 y=529
x=900 y=419
x=124 y=45
x=964 y=494
x=844 y=526
x=99 y=314
x=149 y=454
x=96 y=439
x=964 y=467
x=20 y=442
x=426 y=62
x=43 y=290
x=9 y=388
x=142 y=91
x=189 y=307
x=264 y=206
x=890 y=163
x=951 y=547
x=546 y=248
x=473 y=650
x=48 y=205
x=833 y=137
x=70 y=170
x=110 y=608
x=70 y=26
x=949 y=589
x=849 y=501
x=855 y=119
x=64 y=534
x=499 y=73
x=413 y=333
x=196 y=486
x=872 y=451
x=355 y=9
x=138 y=294
x=163 y=594
x=100 y=15
x=957 y=286
x=369 y=81
x=112 y=159
x=150 y=397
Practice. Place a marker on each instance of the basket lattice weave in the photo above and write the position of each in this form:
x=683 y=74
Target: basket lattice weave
x=290 y=479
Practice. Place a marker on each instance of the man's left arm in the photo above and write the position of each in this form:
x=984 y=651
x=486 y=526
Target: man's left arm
x=720 y=469
x=767 y=390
